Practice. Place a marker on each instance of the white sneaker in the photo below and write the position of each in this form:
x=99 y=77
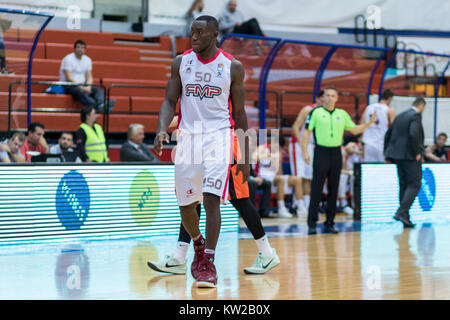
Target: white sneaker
x=302 y=213
x=263 y=263
x=348 y=210
x=284 y=213
x=168 y=265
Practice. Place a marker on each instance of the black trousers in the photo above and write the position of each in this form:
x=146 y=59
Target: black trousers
x=264 y=200
x=410 y=180
x=249 y=27
x=327 y=164
x=94 y=99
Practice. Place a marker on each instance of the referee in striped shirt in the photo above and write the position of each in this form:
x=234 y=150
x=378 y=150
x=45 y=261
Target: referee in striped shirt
x=328 y=124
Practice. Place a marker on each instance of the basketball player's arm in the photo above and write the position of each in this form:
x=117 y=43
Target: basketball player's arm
x=169 y=105
x=304 y=145
x=299 y=122
x=363 y=127
x=239 y=116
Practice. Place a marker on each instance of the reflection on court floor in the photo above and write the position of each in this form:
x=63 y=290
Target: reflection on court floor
x=376 y=261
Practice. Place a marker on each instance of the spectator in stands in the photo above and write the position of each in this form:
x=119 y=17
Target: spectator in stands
x=90 y=139
x=232 y=20
x=77 y=67
x=373 y=137
x=437 y=151
x=10 y=148
x=193 y=13
x=135 y=149
x=35 y=142
x=4 y=26
x=65 y=144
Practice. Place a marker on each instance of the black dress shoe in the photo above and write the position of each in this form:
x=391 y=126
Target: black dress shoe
x=406 y=222
x=329 y=229
x=312 y=231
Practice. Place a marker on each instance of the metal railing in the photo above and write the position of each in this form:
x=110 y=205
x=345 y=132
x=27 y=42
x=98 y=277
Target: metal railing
x=131 y=86
x=51 y=83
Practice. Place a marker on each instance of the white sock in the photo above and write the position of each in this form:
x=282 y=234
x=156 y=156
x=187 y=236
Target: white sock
x=281 y=204
x=180 y=251
x=344 y=203
x=307 y=198
x=299 y=203
x=264 y=245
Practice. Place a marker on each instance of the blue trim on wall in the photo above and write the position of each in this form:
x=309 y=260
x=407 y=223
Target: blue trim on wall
x=30 y=63
x=397 y=32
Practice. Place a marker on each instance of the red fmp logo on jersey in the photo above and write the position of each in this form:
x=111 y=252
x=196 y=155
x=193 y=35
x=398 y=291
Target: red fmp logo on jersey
x=202 y=91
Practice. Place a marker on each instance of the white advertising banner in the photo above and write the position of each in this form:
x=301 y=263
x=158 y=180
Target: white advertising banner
x=45 y=202
x=389 y=14
x=380 y=193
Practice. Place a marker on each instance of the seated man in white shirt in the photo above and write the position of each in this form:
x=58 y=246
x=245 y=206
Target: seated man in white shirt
x=77 y=67
x=65 y=144
x=10 y=149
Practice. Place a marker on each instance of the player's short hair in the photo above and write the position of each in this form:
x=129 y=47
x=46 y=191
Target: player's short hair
x=387 y=94
x=66 y=132
x=442 y=134
x=18 y=135
x=419 y=101
x=321 y=93
x=79 y=42
x=84 y=112
x=210 y=20
x=133 y=128
x=331 y=87
x=32 y=127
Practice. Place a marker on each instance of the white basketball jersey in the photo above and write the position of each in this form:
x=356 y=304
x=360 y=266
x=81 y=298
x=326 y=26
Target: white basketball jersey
x=205 y=98
x=374 y=135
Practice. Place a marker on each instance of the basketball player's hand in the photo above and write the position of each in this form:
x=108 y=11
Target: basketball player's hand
x=307 y=158
x=418 y=157
x=373 y=118
x=245 y=169
x=158 y=143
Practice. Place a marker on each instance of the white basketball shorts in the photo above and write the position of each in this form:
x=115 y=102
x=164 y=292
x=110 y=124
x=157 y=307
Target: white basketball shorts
x=202 y=165
x=299 y=167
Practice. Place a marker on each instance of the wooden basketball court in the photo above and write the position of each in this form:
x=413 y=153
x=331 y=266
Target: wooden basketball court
x=361 y=262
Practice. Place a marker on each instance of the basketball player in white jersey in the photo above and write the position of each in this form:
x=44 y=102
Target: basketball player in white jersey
x=299 y=167
x=373 y=138
x=206 y=79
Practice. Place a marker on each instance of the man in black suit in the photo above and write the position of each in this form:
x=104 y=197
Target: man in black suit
x=134 y=149
x=404 y=146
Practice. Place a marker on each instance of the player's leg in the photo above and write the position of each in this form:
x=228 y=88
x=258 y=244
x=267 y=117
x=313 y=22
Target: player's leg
x=279 y=182
x=267 y=258
x=299 y=203
x=217 y=152
x=176 y=262
x=306 y=175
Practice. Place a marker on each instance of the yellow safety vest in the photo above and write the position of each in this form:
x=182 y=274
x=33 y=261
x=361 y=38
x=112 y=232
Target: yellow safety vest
x=95 y=146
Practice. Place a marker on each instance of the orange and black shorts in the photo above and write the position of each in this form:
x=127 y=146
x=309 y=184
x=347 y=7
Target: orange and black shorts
x=237 y=189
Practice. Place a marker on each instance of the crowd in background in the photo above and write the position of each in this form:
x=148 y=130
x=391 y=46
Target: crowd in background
x=270 y=180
